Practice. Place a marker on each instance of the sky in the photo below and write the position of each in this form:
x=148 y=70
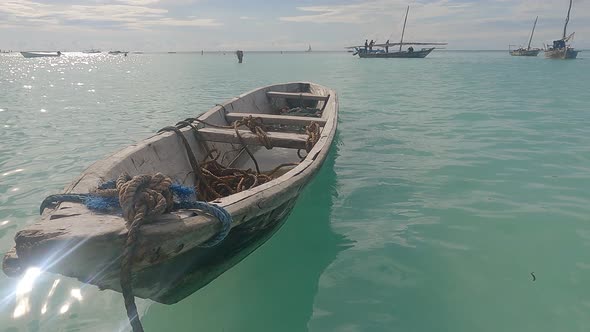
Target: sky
x=289 y=25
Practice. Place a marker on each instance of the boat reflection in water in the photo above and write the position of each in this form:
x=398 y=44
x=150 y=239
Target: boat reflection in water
x=279 y=281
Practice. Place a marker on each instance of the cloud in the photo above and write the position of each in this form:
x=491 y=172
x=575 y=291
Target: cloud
x=366 y=12
x=138 y=2
x=204 y=22
x=497 y=22
x=123 y=14
x=172 y=24
x=351 y=13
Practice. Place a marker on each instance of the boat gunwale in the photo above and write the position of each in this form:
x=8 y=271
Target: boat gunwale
x=228 y=200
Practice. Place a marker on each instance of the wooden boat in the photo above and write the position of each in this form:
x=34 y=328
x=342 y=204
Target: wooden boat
x=71 y=240
x=400 y=54
x=40 y=54
x=528 y=51
x=117 y=52
x=382 y=50
x=560 y=48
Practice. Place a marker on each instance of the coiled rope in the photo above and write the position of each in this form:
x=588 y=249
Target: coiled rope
x=255 y=125
x=313 y=136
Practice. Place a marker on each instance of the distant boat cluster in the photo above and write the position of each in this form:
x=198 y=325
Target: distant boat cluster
x=46 y=54
x=559 y=50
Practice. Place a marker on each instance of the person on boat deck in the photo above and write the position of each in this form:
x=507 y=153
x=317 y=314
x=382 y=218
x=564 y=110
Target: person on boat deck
x=387 y=46
x=371 y=45
x=58 y=53
x=410 y=49
x=366 y=44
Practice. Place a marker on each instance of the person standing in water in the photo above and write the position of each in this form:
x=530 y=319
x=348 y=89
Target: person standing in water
x=240 y=55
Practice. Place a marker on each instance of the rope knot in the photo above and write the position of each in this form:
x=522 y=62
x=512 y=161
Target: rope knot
x=144 y=196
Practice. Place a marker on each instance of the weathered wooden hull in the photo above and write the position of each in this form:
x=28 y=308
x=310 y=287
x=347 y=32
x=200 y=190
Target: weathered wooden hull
x=190 y=272
x=561 y=54
x=404 y=54
x=170 y=262
x=174 y=279
x=525 y=52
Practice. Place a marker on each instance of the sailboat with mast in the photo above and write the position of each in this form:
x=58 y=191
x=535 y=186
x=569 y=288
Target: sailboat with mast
x=560 y=48
x=382 y=50
x=528 y=51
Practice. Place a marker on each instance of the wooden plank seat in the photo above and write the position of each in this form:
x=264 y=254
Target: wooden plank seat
x=277 y=139
x=296 y=95
x=277 y=119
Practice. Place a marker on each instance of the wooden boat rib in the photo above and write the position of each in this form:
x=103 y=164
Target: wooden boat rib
x=74 y=241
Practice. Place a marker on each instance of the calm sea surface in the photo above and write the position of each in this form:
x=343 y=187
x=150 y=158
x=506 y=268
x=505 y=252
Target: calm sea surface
x=453 y=178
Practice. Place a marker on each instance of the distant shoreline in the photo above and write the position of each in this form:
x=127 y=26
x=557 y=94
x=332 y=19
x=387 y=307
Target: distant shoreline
x=278 y=52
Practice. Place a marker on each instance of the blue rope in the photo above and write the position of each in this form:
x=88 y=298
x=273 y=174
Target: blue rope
x=54 y=199
x=183 y=194
x=217 y=211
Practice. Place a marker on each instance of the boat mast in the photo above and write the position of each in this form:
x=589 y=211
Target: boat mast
x=567 y=19
x=532 y=33
x=404 y=29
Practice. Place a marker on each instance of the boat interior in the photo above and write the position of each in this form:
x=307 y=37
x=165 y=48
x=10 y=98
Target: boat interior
x=284 y=112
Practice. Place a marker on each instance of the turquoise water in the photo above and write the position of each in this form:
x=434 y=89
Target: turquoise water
x=453 y=178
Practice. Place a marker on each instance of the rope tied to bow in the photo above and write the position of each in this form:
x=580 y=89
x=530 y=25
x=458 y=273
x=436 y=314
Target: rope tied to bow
x=141 y=199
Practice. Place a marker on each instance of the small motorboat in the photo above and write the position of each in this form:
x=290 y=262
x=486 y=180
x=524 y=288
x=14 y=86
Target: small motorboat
x=40 y=54
x=92 y=51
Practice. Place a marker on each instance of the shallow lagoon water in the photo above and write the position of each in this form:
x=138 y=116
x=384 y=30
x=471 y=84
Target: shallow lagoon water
x=452 y=179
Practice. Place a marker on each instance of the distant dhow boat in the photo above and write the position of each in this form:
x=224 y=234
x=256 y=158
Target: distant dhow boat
x=382 y=51
x=92 y=51
x=40 y=54
x=528 y=51
x=560 y=48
